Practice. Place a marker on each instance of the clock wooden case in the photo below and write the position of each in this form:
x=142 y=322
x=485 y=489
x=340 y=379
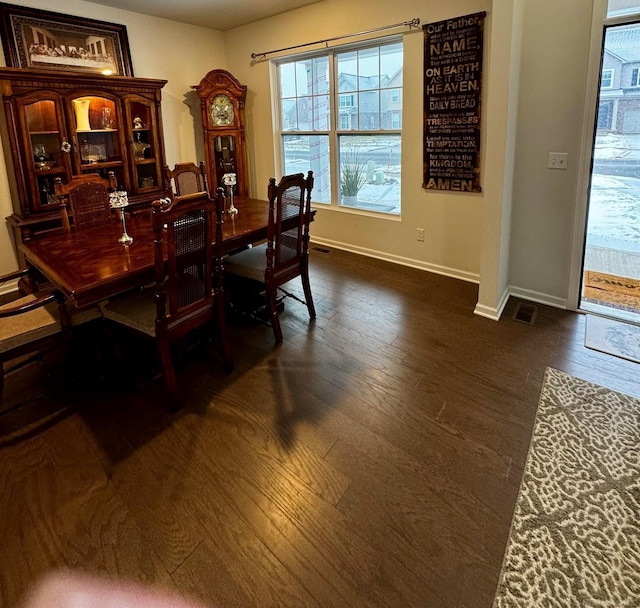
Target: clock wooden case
x=222 y=105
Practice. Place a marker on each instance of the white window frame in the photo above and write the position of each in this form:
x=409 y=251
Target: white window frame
x=335 y=129
x=344 y=121
x=607 y=74
x=345 y=100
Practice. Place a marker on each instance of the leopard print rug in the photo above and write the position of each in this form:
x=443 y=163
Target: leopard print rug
x=575 y=535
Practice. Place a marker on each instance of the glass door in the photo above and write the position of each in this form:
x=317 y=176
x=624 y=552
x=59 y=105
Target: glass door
x=46 y=147
x=96 y=123
x=144 y=157
x=611 y=268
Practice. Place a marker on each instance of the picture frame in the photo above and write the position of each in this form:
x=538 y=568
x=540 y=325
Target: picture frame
x=44 y=40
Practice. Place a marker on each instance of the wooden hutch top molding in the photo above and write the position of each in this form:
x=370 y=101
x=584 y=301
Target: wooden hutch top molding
x=21 y=77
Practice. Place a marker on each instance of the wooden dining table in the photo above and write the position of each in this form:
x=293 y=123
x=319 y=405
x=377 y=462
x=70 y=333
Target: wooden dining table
x=89 y=266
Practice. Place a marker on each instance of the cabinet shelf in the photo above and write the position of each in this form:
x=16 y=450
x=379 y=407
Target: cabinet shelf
x=101 y=164
x=57 y=170
x=85 y=131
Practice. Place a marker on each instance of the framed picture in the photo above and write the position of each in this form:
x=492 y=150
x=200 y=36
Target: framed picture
x=44 y=40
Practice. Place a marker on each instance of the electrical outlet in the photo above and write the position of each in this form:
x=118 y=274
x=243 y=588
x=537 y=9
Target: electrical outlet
x=558 y=160
x=420 y=234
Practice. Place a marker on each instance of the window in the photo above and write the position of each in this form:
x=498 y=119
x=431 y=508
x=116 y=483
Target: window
x=605 y=115
x=346 y=101
x=340 y=115
x=345 y=121
x=606 y=81
x=619 y=8
x=635 y=77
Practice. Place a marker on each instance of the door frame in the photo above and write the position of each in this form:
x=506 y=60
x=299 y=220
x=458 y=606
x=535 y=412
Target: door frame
x=598 y=22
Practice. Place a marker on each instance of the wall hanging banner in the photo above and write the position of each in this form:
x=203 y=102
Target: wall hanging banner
x=452 y=91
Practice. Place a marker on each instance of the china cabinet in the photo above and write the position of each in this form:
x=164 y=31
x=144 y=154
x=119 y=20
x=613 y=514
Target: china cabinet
x=59 y=125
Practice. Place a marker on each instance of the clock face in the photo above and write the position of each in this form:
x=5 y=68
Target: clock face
x=221 y=111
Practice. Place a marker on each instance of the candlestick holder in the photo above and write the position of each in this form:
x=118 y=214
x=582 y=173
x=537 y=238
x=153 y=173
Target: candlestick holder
x=119 y=200
x=229 y=180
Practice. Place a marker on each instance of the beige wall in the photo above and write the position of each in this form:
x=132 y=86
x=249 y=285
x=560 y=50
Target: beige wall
x=555 y=52
x=452 y=222
x=514 y=237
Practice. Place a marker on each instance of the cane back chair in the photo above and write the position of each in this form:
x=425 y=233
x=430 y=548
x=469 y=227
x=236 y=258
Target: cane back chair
x=187 y=294
x=285 y=255
x=87 y=197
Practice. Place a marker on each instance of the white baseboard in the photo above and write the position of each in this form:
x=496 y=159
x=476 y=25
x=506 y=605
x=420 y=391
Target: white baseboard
x=9 y=287
x=396 y=259
x=492 y=313
x=540 y=298
x=523 y=294
x=481 y=310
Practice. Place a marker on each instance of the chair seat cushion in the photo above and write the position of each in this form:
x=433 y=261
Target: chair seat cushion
x=27 y=327
x=78 y=316
x=250 y=263
x=135 y=310
x=138 y=310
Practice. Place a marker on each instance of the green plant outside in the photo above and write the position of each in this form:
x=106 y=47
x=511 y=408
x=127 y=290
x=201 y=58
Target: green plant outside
x=353 y=173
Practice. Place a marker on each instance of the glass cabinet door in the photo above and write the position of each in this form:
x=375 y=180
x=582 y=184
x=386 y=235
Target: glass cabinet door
x=98 y=146
x=145 y=159
x=58 y=125
x=46 y=148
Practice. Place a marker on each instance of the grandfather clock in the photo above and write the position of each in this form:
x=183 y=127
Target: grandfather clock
x=222 y=100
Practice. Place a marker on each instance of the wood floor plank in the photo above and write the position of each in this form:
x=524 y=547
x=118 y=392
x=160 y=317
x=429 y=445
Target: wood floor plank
x=204 y=576
x=282 y=510
x=372 y=460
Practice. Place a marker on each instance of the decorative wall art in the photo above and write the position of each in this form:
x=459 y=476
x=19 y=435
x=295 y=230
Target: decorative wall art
x=45 y=40
x=452 y=94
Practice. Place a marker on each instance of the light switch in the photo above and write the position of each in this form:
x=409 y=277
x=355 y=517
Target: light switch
x=558 y=160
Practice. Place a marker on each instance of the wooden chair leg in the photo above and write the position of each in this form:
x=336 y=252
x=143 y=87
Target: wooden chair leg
x=164 y=350
x=222 y=331
x=273 y=313
x=306 y=286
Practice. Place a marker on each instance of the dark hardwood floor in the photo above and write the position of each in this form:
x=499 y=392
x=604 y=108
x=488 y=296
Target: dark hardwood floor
x=373 y=459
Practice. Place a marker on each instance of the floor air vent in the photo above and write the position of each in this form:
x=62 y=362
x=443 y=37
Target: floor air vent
x=525 y=313
x=320 y=249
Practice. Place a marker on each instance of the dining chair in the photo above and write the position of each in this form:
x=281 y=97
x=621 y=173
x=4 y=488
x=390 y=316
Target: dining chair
x=29 y=326
x=285 y=255
x=187 y=294
x=87 y=197
x=186 y=178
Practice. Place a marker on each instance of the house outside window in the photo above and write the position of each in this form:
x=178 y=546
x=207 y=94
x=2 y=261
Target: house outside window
x=605 y=115
x=340 y=115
